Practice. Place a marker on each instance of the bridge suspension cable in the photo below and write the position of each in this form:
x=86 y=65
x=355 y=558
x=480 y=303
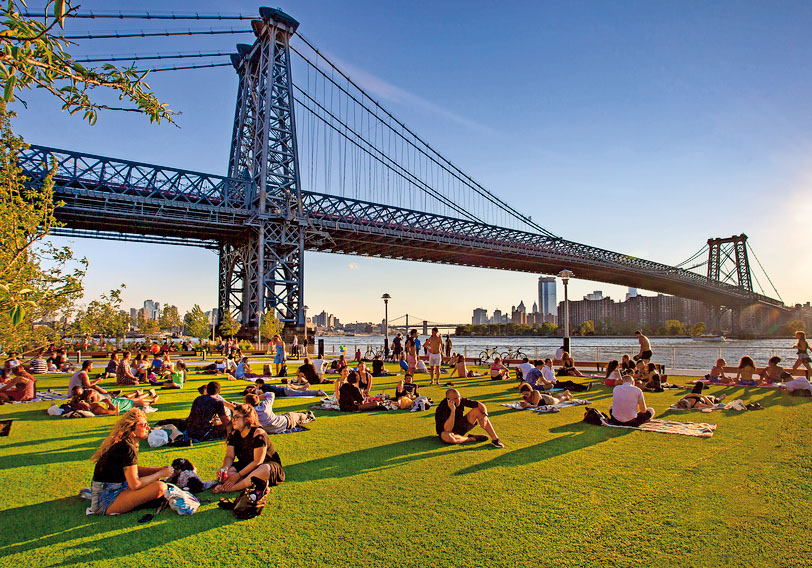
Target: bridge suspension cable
x=142 y=33
x=152 y=57
x=342 y=98
x=149 y=16
x=750 y=248
x=185 y=67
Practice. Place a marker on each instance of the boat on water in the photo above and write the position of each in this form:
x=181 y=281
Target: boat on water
x=709 y=337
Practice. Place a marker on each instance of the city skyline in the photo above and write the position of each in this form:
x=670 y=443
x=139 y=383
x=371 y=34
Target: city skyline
x=701 y=138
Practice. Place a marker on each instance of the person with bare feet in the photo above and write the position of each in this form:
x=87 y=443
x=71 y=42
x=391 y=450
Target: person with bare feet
x=453 y=425
x=434 y=344
x=120 y=404
x=531 y=398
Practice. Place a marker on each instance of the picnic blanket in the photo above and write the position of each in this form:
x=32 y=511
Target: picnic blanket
x=739 y=384
x=697 y=429
x=45 y=395
x=293 y=430
x=330 y=403
x=549 y=407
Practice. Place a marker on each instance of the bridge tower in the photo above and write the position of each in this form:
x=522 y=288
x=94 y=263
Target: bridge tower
x=728 y=263
x=265 y=271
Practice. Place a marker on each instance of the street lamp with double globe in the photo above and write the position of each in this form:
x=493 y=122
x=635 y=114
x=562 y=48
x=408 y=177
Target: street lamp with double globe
x=565 y=275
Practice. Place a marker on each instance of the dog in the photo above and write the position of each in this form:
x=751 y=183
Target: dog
x=186 y=477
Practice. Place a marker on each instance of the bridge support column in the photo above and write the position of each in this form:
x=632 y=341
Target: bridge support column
x=264 y=151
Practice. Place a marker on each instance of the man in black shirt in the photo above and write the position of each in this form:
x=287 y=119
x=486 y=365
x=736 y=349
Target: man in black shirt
x=206 y=407
x=307 y=373
x=453 y=425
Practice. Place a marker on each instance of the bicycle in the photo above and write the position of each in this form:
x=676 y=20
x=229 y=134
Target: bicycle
x=488 y=355
x=372 y=353
x=513 y=355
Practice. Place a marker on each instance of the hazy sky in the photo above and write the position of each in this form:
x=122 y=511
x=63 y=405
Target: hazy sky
x=640 y=127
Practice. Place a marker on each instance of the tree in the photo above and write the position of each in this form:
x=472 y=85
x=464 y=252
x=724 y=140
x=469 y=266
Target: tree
x=269 y=326
x=104 y=316
x=145 y=325
x=698 y=328
x=229 y=326
x=586 y=328
x=32 y=56
x=675 y=327
x=791 y=327
x=38 y=279
x=170 y=319
x=197 y=324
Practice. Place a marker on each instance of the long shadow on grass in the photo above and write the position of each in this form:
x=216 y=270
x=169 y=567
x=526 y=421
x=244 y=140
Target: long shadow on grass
x=373 y=459
x=580 y=435
x=60 y=521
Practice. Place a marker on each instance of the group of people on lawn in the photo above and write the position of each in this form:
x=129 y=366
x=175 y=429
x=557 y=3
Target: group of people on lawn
x=120 y=484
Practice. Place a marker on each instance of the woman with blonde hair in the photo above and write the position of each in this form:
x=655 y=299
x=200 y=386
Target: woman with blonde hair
x=119 y=484
x=802 y=347
x=249 y=453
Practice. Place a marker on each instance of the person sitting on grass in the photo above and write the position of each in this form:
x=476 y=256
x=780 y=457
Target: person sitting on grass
x=772 y=372
x=549 y=381
x=629 y=405
x=798 y=386
x=157 y=363
x=650 y=382
x=531 y=398
x=243 y=370
x=249 y=453
x=286 y=390
x=498 y=371
x=406 y=391
x=124 y=373
x=112 y=366
x=309 y=375
x=613 y=374
x=364 y=379
x=378 y=369
x=275 y=423
x=523 y=368
x=459 y=367
x=119 y=484
x=717 y=373
x=206 y=409
x=350 y=398
x=21 y=387
x=177 y=378
x=626 y=364
x=745 y=372
x=81 y=378
x=453 y=425
x=420 y=367
x=568 y=367
x=39 y=365
x=340 y=381
x=120 y=404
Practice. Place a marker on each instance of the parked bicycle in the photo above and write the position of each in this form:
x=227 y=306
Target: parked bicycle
x=489 y=355
x=512 y=355
x=373 y=352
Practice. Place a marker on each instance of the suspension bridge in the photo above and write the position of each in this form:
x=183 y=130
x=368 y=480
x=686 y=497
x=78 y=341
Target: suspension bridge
x=317 y=164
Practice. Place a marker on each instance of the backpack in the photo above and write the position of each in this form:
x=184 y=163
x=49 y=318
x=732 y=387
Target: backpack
x=283 y=370
x=250 y=502
x=595 y=416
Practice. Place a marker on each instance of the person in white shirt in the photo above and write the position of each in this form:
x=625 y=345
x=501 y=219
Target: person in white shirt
x=629 y=405
x=525 y=366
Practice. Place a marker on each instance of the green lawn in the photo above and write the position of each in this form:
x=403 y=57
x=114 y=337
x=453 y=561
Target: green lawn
x=378 y=489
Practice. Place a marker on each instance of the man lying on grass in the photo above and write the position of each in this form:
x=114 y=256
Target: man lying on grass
x=453 y=426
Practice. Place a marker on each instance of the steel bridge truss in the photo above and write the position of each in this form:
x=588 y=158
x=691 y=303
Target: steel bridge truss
x=728 y=261
x=266 y=272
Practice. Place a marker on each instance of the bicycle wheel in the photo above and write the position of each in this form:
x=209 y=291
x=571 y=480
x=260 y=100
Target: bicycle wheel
x=506 y=357
x=485 y=356
x=370 y=354
x=519 y=354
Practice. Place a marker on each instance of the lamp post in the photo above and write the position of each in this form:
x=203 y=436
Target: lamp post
x=304 y=309
x=386 y=298
x=565 y=275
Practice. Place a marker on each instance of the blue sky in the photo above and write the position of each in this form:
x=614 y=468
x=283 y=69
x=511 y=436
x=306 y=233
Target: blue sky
x=641 y=127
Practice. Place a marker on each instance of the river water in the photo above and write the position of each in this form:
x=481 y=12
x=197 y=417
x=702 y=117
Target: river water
x=675 y=353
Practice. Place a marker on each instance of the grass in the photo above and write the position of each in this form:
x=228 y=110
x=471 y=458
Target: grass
x=378 y=489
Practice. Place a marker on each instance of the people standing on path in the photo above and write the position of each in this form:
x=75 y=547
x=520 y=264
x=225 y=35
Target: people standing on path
x=802 y=347
x=294 y=346
x=411 y=351
x=645 y=347
x=434 y=345
x=448 y=345
x=279 y=357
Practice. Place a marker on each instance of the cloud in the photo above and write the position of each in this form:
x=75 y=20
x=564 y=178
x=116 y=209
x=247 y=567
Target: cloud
x=386 y=91
x=353 y=266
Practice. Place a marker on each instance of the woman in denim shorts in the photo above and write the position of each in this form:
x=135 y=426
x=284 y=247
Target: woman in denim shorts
x=119 y=484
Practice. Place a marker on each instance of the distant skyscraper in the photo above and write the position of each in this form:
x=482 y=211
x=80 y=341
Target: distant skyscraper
x=596 y=295
x=535 y=308
x=547 y=301
x=149 y=309
x=497 y=316
x=480 y=316
x=521 y=307
x=632 y=293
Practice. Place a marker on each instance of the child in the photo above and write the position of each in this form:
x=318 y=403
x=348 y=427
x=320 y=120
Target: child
x=717 y=374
